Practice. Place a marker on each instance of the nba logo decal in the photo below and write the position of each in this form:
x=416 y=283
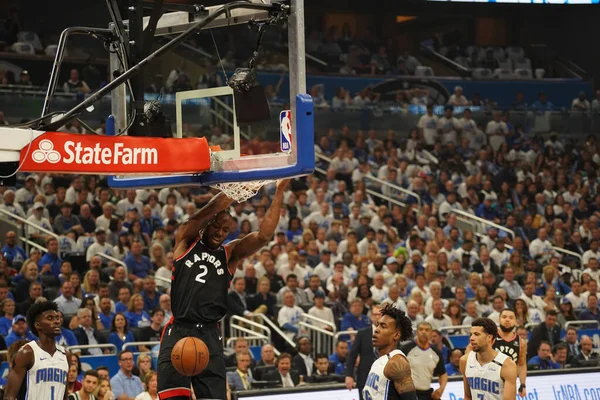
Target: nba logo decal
x=285 y=129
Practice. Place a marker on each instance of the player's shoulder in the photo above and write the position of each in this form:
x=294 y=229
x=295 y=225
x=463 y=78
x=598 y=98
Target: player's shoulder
x=61 y=349
x=407 y=347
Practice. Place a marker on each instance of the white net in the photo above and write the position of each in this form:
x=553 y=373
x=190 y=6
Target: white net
x=241 y=191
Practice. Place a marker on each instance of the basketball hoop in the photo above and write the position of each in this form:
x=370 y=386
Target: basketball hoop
x=241 y=191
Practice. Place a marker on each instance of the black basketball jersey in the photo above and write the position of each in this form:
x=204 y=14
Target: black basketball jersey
x=200 y=283
x=511 y=348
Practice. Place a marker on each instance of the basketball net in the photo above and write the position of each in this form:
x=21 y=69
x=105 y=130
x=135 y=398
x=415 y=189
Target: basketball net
x=238 y=191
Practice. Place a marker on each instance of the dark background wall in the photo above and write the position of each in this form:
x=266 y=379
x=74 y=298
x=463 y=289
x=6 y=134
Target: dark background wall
x=570 y=30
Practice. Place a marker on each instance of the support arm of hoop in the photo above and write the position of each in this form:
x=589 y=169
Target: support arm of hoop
x=305 y=160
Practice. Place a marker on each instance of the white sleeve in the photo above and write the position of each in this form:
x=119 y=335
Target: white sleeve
x=421 y=123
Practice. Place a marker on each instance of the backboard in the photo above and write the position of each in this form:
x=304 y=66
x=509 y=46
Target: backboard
x=250 y=153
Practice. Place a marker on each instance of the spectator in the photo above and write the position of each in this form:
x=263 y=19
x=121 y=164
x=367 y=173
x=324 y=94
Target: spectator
x=12 y=252
x=10 y=205
x=19 y=331
x=37 y=219
x=428 y=126
x=354 y=319
x=137 y=317
x=66 y=222
x=8 y=310
x=580 y=104
x=74 y=85
x=457 y=98
x=118 y=282
x=152 y=333
x=544 y=358
x=288 y=317
x=106 y=314
x=302 y=362
x=512 y=287
x=339 y=357
x=87 y=335
x=241 y=378
x=34 y=290
x=591 y=312
x=139 y=265
x=151 y=383
x=586 y=353
x=452 y=368
x=124 y=382
x=67 y=337
x=240 y=345
x=548 y=332
x=291 y=285
x=100 y=246
x=263 y=301
x=283 y=375
x=89 y=386
x=267 y=356
x=319 y=310
x=437 y=319
x=119 y=332
x=67 y=303
x=560 y=355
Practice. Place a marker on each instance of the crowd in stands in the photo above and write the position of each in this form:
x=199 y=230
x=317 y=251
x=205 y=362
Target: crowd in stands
x=337 y=250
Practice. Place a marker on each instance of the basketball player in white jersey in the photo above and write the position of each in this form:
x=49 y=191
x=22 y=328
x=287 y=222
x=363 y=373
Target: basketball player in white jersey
x=390 y=376
x=509 y=343
x=41 y=365
x=487 y=373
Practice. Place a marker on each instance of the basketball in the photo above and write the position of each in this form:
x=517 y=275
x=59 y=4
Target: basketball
x=190 y=356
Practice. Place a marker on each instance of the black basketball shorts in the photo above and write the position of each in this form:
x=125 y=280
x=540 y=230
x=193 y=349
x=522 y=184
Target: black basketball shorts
x=210 y=383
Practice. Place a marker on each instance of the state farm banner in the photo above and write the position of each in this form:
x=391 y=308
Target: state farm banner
x=122 y=155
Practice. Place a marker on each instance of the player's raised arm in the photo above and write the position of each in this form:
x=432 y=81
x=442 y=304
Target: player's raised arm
x=509 y=375
x=188 y=231
x=397 y=370
x=22 y=362
x=250 y=244
x=463 y=368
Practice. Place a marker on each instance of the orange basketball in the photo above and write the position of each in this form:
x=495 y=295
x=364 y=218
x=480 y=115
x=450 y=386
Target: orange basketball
x=190 y=356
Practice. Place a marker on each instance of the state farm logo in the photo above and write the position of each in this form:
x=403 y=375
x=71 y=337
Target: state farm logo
x=46 y=152
x=77 y=153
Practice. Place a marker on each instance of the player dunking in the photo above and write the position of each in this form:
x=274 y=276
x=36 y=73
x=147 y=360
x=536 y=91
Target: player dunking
x=390 y=376
x=509 y=343
x=487 y=373
x=42 y=364
x=202 y=272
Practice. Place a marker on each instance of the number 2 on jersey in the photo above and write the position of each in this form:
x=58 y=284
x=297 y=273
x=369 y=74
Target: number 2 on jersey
x=202 y=274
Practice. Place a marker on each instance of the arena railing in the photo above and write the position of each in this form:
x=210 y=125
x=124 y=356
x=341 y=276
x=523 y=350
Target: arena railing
x=160 y=278
x=467 y=216
x=239 y=324
x=113 y=259
x=260 y=340
x=93 y=346
x=337 y=335
x=371 y=192
x=33 y=244
x=570 y=253
x=379 y=181
x=321 y=339
x=581 y=322
x=150 y=343
x=275 y=328
x=29 y=223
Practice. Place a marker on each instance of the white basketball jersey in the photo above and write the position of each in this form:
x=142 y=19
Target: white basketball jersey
x=378 y=387
x=485 y=381
x=47 y=378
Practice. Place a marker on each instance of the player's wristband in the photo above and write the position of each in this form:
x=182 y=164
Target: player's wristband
x=522 y=387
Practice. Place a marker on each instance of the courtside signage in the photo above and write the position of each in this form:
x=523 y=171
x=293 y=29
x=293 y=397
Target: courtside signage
x=94 y=154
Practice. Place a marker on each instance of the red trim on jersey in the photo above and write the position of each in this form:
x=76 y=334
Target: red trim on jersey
x=166 y=325
x=188 y=250
x=177 y=392
x=226 y=253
